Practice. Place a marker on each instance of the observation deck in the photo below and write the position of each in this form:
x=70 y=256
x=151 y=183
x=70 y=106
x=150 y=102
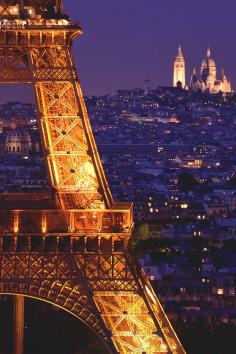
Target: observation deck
x=34 y=14
x=38 y=24
x=100 y=222
x=66 y=231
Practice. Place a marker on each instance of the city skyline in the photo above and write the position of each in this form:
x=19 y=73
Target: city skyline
x=127 y=53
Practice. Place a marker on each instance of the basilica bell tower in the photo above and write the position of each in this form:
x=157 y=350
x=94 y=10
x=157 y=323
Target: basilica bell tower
x=179 y=69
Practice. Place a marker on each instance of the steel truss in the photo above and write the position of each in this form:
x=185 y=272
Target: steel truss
x=105 y=289
x=102 y=285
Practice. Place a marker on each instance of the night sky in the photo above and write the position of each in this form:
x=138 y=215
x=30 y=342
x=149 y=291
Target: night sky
x=127 y=40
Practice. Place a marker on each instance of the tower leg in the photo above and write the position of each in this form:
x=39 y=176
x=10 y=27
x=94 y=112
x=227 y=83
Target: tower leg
x=19 y=314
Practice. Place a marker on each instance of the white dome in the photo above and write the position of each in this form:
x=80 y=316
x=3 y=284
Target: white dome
x=208 y=63
x=210 y=78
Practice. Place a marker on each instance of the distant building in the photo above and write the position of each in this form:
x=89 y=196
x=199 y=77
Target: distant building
x=147 y=85
x=179 y=70
x=18 y=141
x=208 y=80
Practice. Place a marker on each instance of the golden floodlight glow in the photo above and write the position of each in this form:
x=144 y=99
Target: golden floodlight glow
x=44 y=223
x=90 y=272
x=89 y=169
x=16 y=222
x=163 y=347
x=152 y=298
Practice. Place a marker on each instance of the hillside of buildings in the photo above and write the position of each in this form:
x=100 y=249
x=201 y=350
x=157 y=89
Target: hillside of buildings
x=171 y=152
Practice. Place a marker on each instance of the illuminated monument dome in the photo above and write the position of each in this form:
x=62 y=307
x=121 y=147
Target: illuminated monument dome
x=74 y=252
x=207 y=81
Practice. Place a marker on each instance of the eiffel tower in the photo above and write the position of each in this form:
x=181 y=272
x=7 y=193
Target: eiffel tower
x=70 y=247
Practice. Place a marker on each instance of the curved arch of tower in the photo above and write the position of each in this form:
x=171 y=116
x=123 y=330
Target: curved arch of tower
x=75 y=255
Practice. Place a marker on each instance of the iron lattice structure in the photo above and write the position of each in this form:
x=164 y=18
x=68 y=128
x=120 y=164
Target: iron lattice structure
x=75 y=256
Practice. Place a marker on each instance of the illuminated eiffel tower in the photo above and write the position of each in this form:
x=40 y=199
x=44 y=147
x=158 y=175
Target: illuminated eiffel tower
x=75 y=254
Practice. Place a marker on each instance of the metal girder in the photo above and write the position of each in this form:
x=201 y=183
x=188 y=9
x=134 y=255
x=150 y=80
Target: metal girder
x=101 y=290
x=72 y=156
x=105 y=289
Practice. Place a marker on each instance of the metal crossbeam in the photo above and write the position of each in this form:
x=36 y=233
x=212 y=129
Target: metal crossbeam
x=77 y=256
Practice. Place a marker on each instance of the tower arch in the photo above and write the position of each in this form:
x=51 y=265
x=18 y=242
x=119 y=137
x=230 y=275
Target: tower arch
x=18 y=291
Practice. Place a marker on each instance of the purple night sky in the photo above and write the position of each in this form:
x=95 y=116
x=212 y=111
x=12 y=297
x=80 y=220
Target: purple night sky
x=127 y=40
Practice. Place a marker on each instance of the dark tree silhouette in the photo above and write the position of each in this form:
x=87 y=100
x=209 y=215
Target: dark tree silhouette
x=187 y=182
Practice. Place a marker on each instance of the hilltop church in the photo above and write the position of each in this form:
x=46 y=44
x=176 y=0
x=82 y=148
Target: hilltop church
x=207 y=80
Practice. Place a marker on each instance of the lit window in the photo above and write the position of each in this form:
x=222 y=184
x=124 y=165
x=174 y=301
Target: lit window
x=184 y=206
x=220 y=291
